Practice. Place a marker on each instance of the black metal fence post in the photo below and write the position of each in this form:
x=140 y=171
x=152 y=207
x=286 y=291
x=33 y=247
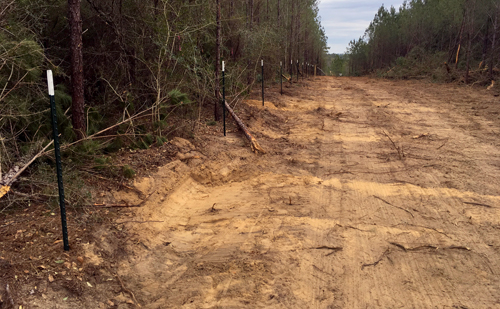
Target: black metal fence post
x=298 y=71
x=62 y=204
x=262 y=65
x=281 y=76
x=224 y=97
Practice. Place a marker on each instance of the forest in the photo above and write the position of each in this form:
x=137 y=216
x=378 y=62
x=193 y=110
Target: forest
x=131 y=74
x=446 y=40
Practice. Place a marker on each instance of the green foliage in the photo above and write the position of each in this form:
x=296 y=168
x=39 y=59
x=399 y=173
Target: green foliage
x=128 y=172
x=176 y=97
x=338 y=65
x=115 y=145
x=420 y=37
x=160 y=140
x=102 y=163
x=87 y=150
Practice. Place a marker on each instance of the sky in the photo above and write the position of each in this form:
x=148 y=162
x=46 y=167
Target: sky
x=346 y=20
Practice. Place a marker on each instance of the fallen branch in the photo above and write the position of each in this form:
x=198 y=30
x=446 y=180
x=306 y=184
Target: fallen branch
x=288 y=79
x=442 y=145
x=114 y=205
x=132 y=221
x=428 y=247
x=128 y=291
x=379 y=198
x=15 y=172
x=479 y=204
x=334 y=249
x=253 y=142
x=398 y=149
x=387 y=251
x=425 y=227
x=104 y=205
x=130 y=119
x=139 y=193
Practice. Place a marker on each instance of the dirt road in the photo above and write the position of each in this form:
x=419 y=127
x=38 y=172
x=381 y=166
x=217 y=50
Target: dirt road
x=372 y=194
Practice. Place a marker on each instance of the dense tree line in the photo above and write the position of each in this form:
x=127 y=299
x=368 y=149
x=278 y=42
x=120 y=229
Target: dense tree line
x=448 y=39
x=137 y=55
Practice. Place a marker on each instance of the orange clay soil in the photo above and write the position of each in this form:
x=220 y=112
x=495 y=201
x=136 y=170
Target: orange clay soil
x=371 y=194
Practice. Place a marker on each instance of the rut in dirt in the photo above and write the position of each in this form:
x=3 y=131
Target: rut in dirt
x=372 y=193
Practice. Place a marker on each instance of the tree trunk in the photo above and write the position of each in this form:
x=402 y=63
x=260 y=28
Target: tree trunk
x=251 y=14
x=279 y=14
x=460 y=39
x=467 y=69
x=470 y=34
x=493 y=45
x=485 y=44
x=217 y=64
x=253 y=142
x=75 y=24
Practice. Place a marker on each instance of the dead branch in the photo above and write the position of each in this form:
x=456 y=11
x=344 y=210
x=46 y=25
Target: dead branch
x=442 y=145
x=287 y=79
x=213 y=208
x=398 y=149
x=253 y=142
x=14 y=172
x=428 y=247
x=128 y=291
x=132 y=221
x=334 y=249
x=379 y=198
x=137 y=191
x=425 y=227
x=387 y=251
x=130 y=119
x=479 y=204
x=103 y=205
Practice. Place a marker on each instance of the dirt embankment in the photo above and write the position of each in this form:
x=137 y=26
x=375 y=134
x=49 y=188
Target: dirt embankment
x=372 y=194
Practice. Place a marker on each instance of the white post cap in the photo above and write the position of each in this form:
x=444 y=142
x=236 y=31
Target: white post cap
x=50 y=82
x=223 y=66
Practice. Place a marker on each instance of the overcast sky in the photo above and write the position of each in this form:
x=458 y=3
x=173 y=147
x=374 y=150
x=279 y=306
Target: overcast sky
x=345 y=20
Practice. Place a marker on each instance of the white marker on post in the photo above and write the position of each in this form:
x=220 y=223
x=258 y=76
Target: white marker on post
x=281 y=63
x=223 y=66
x=262 y=63
x=50 y=82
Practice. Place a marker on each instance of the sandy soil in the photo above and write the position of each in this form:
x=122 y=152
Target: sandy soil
x=372 y=194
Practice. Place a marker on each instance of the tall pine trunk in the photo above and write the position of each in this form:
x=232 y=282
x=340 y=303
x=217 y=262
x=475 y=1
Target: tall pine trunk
x=75 y=24
x=485 y=43
x=493 y=44
x=279 y=14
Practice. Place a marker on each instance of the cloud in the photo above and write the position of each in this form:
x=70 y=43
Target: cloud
x=346 y=20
